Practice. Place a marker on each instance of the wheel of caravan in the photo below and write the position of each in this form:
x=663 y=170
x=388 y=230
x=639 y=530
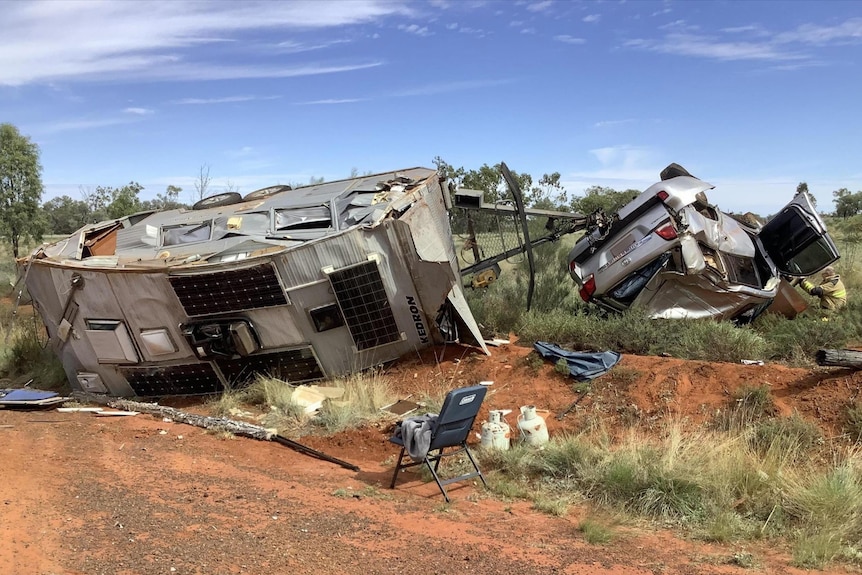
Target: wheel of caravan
x=265 y=192
x=218 y=200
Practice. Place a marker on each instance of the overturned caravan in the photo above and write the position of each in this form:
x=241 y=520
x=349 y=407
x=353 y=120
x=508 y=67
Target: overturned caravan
x=299 y=284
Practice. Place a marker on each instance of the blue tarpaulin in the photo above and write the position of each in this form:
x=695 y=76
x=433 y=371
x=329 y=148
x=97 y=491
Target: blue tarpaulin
x=582 y=366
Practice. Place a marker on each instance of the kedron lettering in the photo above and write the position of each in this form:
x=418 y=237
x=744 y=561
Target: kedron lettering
x=417 y=319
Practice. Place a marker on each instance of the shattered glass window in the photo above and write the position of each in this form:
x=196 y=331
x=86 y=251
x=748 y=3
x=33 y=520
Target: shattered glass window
x=628 y=289
x=326 y=317
x=187 y=233
x=303 y=218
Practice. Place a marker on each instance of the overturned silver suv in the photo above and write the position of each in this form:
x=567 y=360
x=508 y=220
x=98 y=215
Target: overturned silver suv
x=672 y=253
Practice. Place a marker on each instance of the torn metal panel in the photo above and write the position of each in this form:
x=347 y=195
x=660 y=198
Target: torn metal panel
x=302 y=283
x=719 y=232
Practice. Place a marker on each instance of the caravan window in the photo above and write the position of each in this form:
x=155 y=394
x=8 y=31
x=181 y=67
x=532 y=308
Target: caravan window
x=111 y=341
x=313 y=218
x=187 y=233
x=326 y=317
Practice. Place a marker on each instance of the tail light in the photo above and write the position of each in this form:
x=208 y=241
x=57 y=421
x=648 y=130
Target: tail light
x=588 y=289
x=662 y=195
x=667 y=232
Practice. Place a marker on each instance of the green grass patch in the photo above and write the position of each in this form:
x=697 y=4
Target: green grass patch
x=777 y=479
x=595 y=531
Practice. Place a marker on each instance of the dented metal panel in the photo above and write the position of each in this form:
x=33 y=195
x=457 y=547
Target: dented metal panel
x=310 y=282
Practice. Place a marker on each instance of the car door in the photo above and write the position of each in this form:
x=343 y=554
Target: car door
x=796 y=239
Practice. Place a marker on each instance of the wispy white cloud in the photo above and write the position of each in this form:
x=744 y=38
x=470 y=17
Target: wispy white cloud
x=690 y=45
x=540 y=6
x=415 y=29
x=608 y=123
x=243 y=152
x=330 y=101
x=83 y=124
x=222 y=100
x=845 y=32
x=295 y=47
x=187 y=72
x=45 y=40
x=754 y=29
x=247 y=159
x=447 y=87
x=790 y=49
x=478 y=32
x=592 y=18
x=417 y=91
x=569 y=39
x=139 y=111
x=679 y=26
x=528 y=31
x=620 y=167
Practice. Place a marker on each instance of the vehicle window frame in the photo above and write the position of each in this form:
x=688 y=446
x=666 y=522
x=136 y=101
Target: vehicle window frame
x=797 y=241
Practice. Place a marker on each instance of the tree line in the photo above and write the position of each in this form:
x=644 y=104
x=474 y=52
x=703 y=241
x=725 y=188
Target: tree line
x=24 y=218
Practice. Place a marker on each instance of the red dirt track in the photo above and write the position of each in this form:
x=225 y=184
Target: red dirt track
x=138 y=495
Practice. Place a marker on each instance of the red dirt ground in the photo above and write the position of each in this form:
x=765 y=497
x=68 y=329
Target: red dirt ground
x=138 y=495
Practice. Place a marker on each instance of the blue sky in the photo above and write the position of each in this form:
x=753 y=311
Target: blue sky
x=753 y=97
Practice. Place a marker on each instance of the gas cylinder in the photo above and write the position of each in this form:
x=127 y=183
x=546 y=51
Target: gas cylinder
x=495 y=431
x=532 y=426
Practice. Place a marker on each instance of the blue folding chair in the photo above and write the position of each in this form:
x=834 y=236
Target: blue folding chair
x=452 y=429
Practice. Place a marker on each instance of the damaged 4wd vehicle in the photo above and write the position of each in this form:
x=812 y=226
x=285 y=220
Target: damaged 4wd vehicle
x=672 y=253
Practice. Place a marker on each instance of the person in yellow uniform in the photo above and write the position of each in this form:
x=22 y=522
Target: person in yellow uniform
x=831 y=291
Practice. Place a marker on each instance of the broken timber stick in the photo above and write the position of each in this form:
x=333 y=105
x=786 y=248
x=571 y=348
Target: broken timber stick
x=223 y=424
x=573 y=405
x=840 y=358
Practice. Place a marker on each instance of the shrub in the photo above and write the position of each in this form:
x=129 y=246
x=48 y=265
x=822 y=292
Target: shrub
x=853 y=421
x=798 y=339
x=596 y=532
x=791 y=435
x=364 y=394
x=25 y=352
x=748 y=405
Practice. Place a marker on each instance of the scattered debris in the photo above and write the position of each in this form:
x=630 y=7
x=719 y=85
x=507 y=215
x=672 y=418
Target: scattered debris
x=572 y=405
x=751 y=362
x=222 y=424
x=309 y=399
x=401 y=407
x=78 y=409
x=486 y=383
x=496 y=342
x=104 y=413
x=29 y=399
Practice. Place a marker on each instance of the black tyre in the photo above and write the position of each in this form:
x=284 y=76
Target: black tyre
x=218 y=200
x=265 y=192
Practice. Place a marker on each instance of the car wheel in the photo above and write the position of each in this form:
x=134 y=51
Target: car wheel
x=218 y=200
x=265 y=192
